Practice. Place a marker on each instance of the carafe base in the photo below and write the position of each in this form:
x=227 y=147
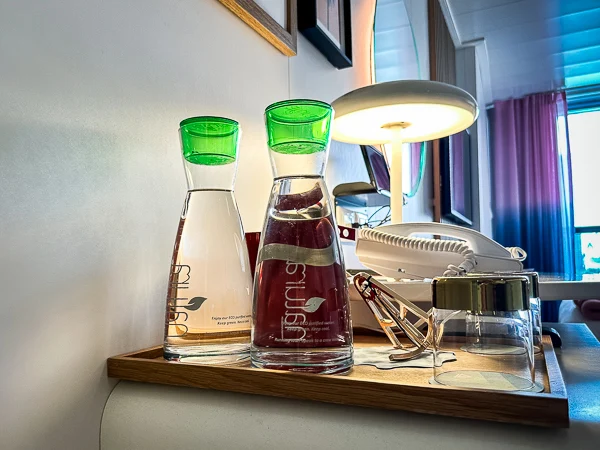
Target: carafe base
x=212 y=354
x=336 y=360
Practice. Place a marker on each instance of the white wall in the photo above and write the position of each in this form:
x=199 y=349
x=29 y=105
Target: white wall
x=91 y=182
x=469 y=77
x=484 y=161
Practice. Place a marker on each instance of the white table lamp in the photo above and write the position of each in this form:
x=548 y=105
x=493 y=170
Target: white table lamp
x=402 y=111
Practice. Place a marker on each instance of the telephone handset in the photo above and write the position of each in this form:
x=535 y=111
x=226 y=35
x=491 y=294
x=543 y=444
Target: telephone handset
x=392 y=251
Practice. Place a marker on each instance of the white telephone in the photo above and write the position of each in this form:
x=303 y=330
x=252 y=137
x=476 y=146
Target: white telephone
x=392 y=251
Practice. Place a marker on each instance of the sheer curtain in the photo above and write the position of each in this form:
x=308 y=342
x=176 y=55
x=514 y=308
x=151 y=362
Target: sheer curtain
x=532 y=184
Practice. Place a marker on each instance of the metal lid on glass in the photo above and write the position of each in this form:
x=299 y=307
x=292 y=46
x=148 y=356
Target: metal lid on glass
x=487 y=293
x=533 y=277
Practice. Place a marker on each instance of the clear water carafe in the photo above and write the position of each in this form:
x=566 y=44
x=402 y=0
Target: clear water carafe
x=208 y=317
x=301 y=314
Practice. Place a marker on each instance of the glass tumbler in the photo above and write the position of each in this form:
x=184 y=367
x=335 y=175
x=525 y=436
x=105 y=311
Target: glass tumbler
x=486 y=322
x=536 y=309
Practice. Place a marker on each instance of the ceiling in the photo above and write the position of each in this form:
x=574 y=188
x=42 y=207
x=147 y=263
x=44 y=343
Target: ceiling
x=533 y=45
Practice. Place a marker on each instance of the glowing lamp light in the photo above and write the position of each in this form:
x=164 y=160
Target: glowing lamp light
x=402 y=111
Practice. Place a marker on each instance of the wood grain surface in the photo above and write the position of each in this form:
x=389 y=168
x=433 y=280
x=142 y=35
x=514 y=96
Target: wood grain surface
x=283 y=39
x=405 y=389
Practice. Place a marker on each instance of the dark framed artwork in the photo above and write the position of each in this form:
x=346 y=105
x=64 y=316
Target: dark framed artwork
x=283 y=38
x=455 y=168
x=327 y=24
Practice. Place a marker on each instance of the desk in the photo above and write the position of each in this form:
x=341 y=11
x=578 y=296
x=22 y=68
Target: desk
x=143 y=416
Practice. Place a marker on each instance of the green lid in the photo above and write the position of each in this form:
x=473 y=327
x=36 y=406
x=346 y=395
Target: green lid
x=210 y=141
x=298 y=127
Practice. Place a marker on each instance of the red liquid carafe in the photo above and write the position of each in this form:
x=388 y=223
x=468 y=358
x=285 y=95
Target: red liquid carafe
x=301 y=314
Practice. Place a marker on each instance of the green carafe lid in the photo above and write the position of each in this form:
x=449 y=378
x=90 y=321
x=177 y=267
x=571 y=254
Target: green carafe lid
x=298 y=127
x=209 y=141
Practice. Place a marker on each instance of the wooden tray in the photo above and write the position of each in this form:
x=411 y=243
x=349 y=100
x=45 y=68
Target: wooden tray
x=399 y=389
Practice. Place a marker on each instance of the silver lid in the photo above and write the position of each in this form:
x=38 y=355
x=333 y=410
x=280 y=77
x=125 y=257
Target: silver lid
x=487 y=293
x=533 y=277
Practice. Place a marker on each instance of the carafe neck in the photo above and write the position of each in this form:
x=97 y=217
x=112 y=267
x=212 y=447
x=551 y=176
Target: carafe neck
x=299 y=198
x=298 y=165
x=200 y=177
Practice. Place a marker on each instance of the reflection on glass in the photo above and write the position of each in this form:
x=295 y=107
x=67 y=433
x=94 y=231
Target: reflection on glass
x=582 y=141
x=329 y=13
x=414 y=158
x=587 y=247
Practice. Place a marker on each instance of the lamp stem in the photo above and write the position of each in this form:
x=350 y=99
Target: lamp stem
x=397 y=197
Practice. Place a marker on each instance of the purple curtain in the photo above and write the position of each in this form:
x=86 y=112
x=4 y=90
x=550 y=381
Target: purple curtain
x=532 y=185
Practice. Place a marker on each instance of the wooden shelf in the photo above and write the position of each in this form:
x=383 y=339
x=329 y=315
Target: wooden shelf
x=399 y=389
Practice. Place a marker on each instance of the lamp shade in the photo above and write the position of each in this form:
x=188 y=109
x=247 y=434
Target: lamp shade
x=424 y=110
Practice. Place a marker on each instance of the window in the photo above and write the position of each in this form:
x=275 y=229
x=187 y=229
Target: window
x=585 y=151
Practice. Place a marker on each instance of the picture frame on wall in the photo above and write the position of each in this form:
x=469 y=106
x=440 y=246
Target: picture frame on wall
x=283 y=36
x=327 y=24
x=455 y=168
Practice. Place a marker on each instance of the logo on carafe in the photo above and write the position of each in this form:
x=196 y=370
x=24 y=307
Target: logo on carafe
x=180 y=280
x=294 y=323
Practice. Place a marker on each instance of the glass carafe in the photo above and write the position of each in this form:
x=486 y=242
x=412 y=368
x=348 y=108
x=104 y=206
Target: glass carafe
x=301 y=314
x=209 y=295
